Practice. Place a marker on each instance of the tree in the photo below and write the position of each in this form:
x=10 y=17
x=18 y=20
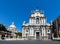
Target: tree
x=19 y=34
x=2 y=28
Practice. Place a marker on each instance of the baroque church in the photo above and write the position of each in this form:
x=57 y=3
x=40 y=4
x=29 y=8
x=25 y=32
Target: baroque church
x=37 y=27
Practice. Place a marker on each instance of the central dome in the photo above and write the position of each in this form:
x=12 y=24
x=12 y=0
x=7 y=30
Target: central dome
x=12 y=25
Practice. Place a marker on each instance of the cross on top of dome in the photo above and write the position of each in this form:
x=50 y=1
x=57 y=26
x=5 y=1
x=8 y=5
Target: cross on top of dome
x=37 y=10
x=12 y=23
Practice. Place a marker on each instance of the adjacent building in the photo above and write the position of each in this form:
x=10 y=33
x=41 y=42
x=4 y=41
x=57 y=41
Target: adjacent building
x=55 y=30
x=37 y=27
x=3 y=32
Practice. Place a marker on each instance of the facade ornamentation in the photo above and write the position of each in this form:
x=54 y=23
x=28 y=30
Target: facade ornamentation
x=37 y=27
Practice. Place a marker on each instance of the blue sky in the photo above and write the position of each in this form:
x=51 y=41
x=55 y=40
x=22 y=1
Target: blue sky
x=19 y=10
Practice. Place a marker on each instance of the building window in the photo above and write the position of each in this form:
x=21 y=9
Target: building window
x=37 y=20
x=26 y=30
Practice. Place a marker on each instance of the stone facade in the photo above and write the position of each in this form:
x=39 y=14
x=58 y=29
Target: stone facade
x=37 y=27
x=56 y=28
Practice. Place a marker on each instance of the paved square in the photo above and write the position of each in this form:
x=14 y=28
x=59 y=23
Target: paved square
x=30 y=42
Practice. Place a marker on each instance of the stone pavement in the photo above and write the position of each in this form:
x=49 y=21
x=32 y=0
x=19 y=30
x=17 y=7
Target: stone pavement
x=30 y=42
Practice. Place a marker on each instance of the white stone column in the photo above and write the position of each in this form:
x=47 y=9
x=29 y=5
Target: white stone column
x=30 y=21
x=44 y=21
x=40 y=35
x=30 y=30
x=39 y=21
x=35 y=34
x=44 y=32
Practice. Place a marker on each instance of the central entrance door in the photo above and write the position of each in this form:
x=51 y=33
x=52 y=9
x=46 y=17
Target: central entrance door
x=37 y=35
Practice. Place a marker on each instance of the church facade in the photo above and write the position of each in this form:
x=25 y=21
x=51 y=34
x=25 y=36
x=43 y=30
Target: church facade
x=37 y=27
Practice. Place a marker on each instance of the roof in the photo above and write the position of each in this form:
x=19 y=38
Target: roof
x=37 y=12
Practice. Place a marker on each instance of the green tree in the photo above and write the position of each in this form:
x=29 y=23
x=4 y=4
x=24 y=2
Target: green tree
x=19 y=34
x=2 y=27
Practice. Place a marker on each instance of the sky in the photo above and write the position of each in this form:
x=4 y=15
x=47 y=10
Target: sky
x=18 y=11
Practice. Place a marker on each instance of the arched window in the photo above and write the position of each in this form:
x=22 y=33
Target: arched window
x=37 y=20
